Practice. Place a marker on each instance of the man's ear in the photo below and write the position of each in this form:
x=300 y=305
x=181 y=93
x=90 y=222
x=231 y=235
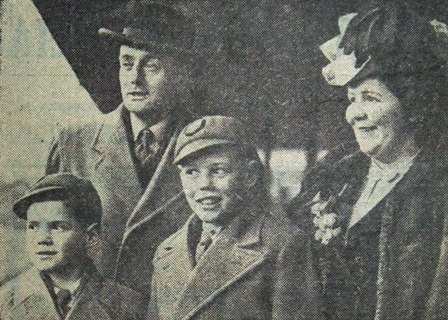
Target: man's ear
x=93 y=232
x=251 y=173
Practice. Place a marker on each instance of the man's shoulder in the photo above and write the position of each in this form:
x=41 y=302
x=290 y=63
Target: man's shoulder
x=87 y=126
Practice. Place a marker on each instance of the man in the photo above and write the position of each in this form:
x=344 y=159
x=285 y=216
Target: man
x=63 y=213
x=128 y=154
x=232 y=259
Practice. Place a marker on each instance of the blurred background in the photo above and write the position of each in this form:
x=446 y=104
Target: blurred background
x=260 y=62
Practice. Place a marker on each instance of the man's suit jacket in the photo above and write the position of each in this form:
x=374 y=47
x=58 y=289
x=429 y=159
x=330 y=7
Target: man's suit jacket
x=27 y=297
x=258 y=268
x=100 y=151
x=395 y=256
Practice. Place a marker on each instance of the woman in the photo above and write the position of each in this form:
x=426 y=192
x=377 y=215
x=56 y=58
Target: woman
x=380 y=216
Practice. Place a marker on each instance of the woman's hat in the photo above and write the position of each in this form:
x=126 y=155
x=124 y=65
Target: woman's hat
x=389 y=40
x=152 y=26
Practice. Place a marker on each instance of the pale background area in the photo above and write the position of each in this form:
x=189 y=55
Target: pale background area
x=39 y=90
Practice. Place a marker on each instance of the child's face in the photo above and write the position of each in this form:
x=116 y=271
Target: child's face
x=213 y=183
x=55 y=239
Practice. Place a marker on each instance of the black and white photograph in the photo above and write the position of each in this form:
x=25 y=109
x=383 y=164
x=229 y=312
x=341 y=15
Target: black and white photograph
x=224 y=159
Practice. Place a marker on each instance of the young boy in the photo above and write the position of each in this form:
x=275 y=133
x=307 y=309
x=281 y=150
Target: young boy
x=232 y=259
x=63 y=213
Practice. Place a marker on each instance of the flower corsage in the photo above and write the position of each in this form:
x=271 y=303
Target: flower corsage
x=325 y=219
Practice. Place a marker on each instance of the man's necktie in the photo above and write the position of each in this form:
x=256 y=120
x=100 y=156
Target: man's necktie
x=63 y=298
x=204 y=244
x=145 y=146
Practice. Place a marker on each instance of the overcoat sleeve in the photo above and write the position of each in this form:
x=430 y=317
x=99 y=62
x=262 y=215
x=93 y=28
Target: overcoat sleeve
x=296 y=285
x=153 y=310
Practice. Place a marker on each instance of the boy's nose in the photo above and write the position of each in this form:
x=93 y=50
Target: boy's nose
x=205 y=182
x=44 y=238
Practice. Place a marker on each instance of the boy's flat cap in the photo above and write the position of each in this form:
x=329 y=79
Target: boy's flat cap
x=59 y=187
x=207 y=132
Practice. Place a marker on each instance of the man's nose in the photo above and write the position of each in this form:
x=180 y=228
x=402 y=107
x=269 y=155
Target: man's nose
x=136 y=75
x=355 y=112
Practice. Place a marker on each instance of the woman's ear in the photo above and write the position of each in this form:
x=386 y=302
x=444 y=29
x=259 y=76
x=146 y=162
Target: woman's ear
x=93 y=232
x=251 y=173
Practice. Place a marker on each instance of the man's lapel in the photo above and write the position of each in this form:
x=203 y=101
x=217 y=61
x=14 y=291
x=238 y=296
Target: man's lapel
x=32 y=299
x=114 y=162
x=231 y=257
x=161 y=188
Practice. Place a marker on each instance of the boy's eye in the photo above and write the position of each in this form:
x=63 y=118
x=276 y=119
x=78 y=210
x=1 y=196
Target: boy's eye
x=31 y=226
x=191 y=172
x=61 y=226
x=127 y=64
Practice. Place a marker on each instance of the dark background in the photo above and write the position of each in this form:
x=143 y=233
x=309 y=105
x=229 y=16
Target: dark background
x=259 y=59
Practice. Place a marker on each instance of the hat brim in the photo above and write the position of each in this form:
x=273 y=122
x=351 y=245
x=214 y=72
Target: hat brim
x=20 y=208
x=123 y=39
x=199 y=145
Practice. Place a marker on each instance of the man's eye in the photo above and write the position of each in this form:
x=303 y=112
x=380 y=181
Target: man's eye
x=351 y=99
x=154 y=67
x=219 y=171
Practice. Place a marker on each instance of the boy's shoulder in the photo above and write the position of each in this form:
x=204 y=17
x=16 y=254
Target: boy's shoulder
x=26 y=295
x=23 y=279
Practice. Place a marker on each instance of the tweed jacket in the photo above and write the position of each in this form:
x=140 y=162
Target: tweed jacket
x=100 y=151
x=399 y=249
x=258 y=268
x=27 y=297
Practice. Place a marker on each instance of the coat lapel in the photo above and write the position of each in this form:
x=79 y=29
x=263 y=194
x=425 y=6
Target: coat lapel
x=164 y=183
x=175 y=257
x=114 y=162
x=32 y=299
x=231 y=257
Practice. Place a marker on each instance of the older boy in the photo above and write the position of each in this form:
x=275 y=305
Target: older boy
x=63 y=213
x=232 y=259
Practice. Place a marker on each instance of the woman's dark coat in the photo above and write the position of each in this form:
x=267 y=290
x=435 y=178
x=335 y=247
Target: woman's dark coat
x=393 y=264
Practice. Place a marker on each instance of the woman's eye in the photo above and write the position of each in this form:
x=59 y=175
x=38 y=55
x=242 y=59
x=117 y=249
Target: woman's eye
x=31 y=227
x=371 y=98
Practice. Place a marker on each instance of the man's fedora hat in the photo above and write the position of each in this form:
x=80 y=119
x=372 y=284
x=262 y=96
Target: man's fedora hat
x=152 y=26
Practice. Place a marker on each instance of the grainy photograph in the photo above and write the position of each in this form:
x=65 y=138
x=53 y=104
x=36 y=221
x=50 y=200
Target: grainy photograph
x=223 y=159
